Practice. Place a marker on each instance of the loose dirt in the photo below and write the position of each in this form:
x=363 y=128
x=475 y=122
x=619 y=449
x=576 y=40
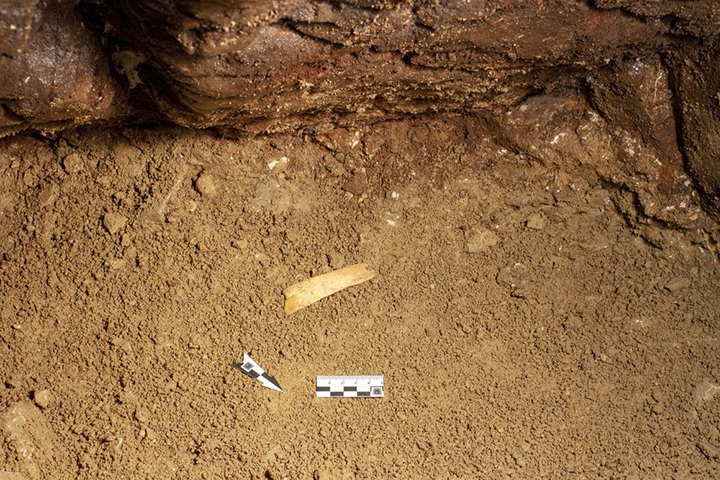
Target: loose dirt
x=528 y=323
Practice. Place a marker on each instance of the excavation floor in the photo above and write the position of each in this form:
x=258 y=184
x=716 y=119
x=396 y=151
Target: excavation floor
x=525 y=328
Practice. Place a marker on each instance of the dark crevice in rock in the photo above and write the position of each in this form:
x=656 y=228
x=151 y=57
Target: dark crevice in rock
x=676 y=106
x=296 y=27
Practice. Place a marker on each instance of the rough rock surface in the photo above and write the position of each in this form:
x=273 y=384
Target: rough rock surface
x=274 y=65
x=698 y=86
x=54 y=70
x=271 y=66
x=293 y=61
x=280 y=64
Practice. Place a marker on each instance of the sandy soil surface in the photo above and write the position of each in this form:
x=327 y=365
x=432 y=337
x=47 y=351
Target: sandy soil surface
x=528 y=325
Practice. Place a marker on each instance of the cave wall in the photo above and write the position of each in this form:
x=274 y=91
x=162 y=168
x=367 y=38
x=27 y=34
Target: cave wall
x=697 y=81
x=54 y=70
x=282 y=66
x=261 y=66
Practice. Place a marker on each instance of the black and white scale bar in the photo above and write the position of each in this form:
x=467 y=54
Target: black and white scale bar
x=347 y=386
x=250 y=368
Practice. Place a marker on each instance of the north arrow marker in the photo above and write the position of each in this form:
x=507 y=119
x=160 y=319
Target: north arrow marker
x=250 y=368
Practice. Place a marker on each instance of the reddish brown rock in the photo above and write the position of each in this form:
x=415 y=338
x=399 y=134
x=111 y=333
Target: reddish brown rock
x=249 y=67
x=695 y=17
x=54 y=70
x=357 y=184
x=697 y=76
x=15 y=23
x=279 y=67
x=294 y=63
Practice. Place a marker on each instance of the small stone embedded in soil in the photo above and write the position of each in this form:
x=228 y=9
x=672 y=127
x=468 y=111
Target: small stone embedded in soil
x=72 y=163
x=141 y=415
x=706 y=391
x=514 y=277
x=535 y=222
x=322 y=475
x=263 y=259
x=116 y=263
x=205 y=184
x=117 y=443
x=239 y=244
x=482 y=240
x=114 y=222
x=357 y=185
x=335 y=260
x=612 y=352
x=42 y=398
x=48 y=195
x=677 y=283
x=29 y=178
x=150 y=434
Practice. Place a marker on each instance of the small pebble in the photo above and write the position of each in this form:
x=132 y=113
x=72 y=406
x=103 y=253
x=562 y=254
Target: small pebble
x=205 y=184
x=48 y=195
x=335 y=260
x=239 y=244
x=322 y=475
x=357 y=184
x=114 y=222
x=42 y=398
x=482 y=240
x=72 y=163
x=29 y=178
x=514 y=277
x=677 y=283
x=535 y=222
